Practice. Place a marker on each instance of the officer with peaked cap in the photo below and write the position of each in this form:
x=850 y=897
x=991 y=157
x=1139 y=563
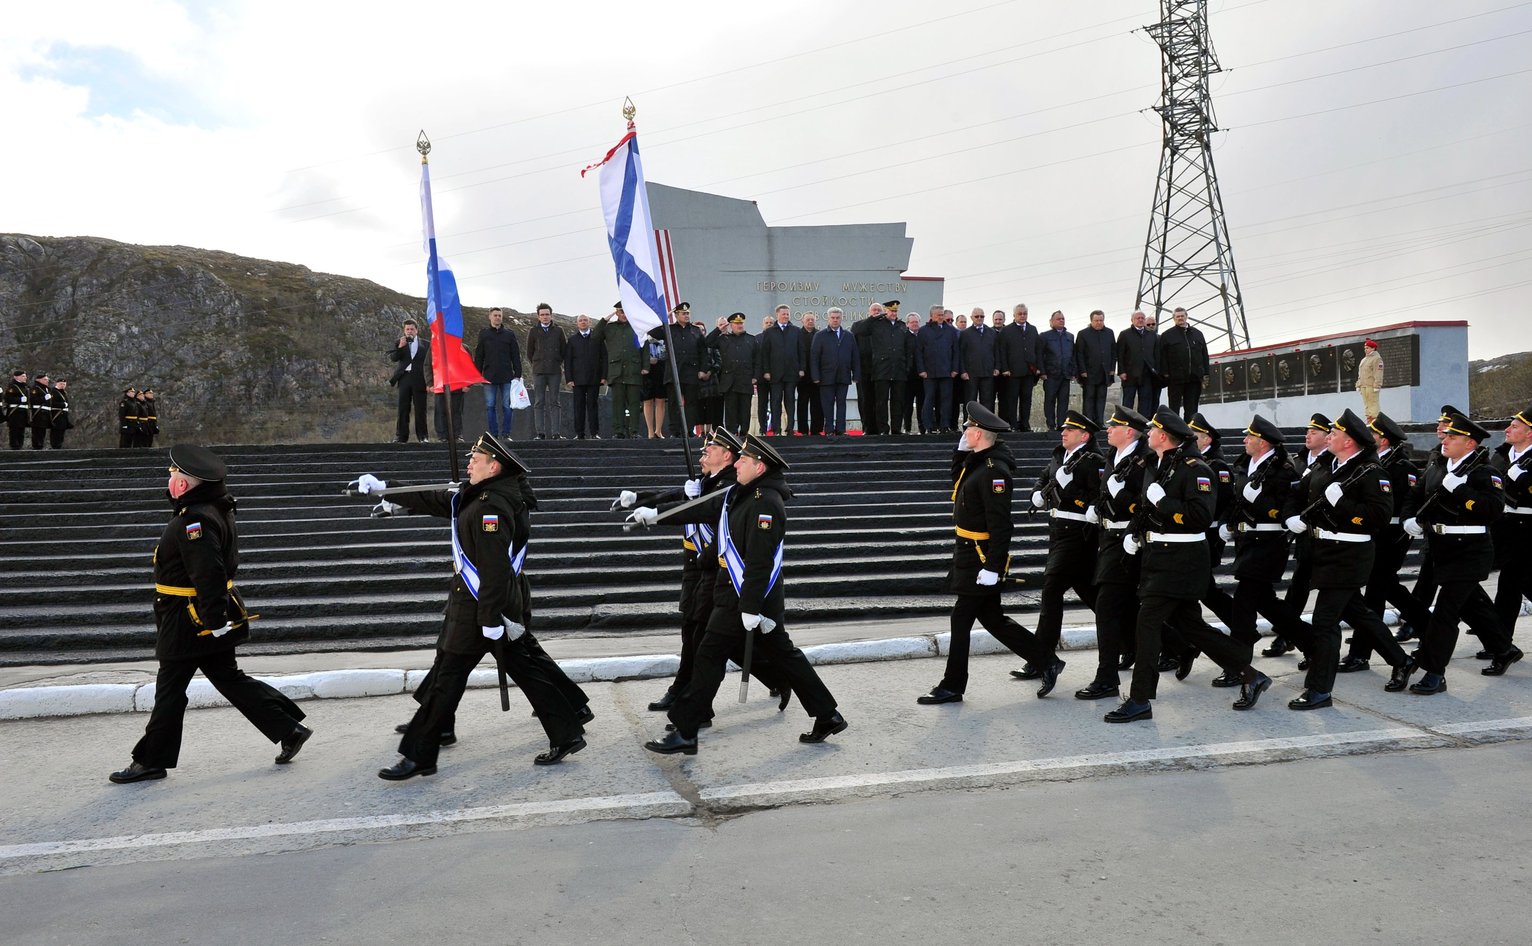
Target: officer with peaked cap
x=737 y=353
x=1314 y=456
x=748 y=599
x=982 y=469
x=487 y=611
x=1067 y=489
x=18 y=407
x=700 y=551
x=1117 y=572
x=1263 y=500
x=1170 y=532
x=1453 y=507
x=1425 y=576
x=1391 y=543
x=1513 y=531
x=1344 y=505
x=200 y=618
x=1210 y=448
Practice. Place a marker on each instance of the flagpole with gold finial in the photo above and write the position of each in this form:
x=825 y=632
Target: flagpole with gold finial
x=423 y=145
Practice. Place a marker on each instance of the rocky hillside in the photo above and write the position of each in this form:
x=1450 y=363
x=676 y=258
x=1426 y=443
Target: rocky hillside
x=1499 y=387
x=237 y=349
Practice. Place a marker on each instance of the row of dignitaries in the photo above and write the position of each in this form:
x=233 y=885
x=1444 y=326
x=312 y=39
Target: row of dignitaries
x=39 y=406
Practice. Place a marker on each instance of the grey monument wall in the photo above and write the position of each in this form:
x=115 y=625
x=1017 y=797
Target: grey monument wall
x=1425 y=365
x=728 y=260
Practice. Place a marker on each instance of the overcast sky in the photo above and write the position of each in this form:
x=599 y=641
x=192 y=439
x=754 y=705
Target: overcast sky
x=1374 y=162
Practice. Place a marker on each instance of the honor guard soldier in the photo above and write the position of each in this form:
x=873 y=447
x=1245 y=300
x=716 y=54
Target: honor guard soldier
x=1170 y=532
x=1314 y=456
x=1391 y=544
x=982 y=469
x=1067 y=489
x=199 y=619
x=1425 y=580
x=487 y=613
x=1210 y=448
x=127 y=418
x=1345 y=504
x=1513 y=531
x=42 y=410
x=1263 y=500
x=1453 y=508
x=748 y=599
x=700 y=563
x=736 y=373
x=1117 y=572
x=18 y=408
x=61 y=419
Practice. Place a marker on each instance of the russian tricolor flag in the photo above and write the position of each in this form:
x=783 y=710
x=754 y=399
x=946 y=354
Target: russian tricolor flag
x=451 y=362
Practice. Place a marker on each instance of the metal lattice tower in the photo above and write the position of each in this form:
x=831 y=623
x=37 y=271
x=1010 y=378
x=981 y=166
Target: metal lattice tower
x=1188 y=261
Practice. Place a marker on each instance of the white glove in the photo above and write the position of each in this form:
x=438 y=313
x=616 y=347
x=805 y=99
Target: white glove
x=1063 y=477
x=1037 y=500
x=1226 y=533
x=767 y=625
x=963 y=446
x=384 y=509
x=367 y=483
x=693 y=488
x=493 y=632
x=624 y=500
x=513 y=630
x=1092 y=516
x=220 y=631
x=751 y=621
x=1295 y=525
x=1250 y=492
x=1334 y=494
x=1452 y=481
x=1413 y=527
x=987 y=577
x=1130 y=545
x=644 y=515
x=1516 y=472
x=1114 y=486
x=1155 y=493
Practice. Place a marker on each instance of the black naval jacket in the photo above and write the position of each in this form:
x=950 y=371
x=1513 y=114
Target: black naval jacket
x=18 y=407
x=758 y=526
x=981 y=515
x=492 y=519
x=737 y=356
x=61 y=419
x=1114 y=566
x=1260 y=536
x=1518 y=492
x=1403 y=476
x=194 y=566
x=1512 y=532
x=1478 y=502
x=1070 y=539
x=1176 y=569
x=700 y=545
x=1364 y=510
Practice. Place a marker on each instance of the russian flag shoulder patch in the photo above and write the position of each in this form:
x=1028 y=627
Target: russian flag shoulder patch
x=193 y=531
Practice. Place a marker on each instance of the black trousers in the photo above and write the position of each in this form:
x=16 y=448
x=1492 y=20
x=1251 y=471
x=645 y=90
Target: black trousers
x=540 y=680
x=811 y=415
x=1460 y=601
x=1055 y=401
x=1331 y=607
x=982 y=390
x=1253 y=596
x=1093 y=402
x=267 y=708
x=736 y=412
x=39 y=437
x=693 y=407
x=411 y=397
x=1184 y=615
x=784 y=402
x=585 y=413
x=938 y=404
x=440 y=410
x=1184 y=396
x=987 y=610
x=1050 y=616
x=1116 y=619
x=1515 y=570
x=832 y=404
x=1384 y=587
x=1016 y=400
x=723 y=639
x=912 y=415
x=56 y=437
x=887 y=397
x=1303 y=572
x=1139 y=397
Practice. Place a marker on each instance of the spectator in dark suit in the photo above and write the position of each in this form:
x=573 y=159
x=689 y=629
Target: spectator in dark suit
x=978 y=351
x=546 y=348
x=890 y=345
x=1136 y=365
x=688 y=343
x=584 y=370
x=413 y=355
x=1095 y=360
x=834 y=364
x=1058 y=350
x=1020 y=366
x=781 y=369
x=912 y=414
x=1183 y=354
x=498 y=358
x=811 y=418
x=936 y=361
x=960 y=385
